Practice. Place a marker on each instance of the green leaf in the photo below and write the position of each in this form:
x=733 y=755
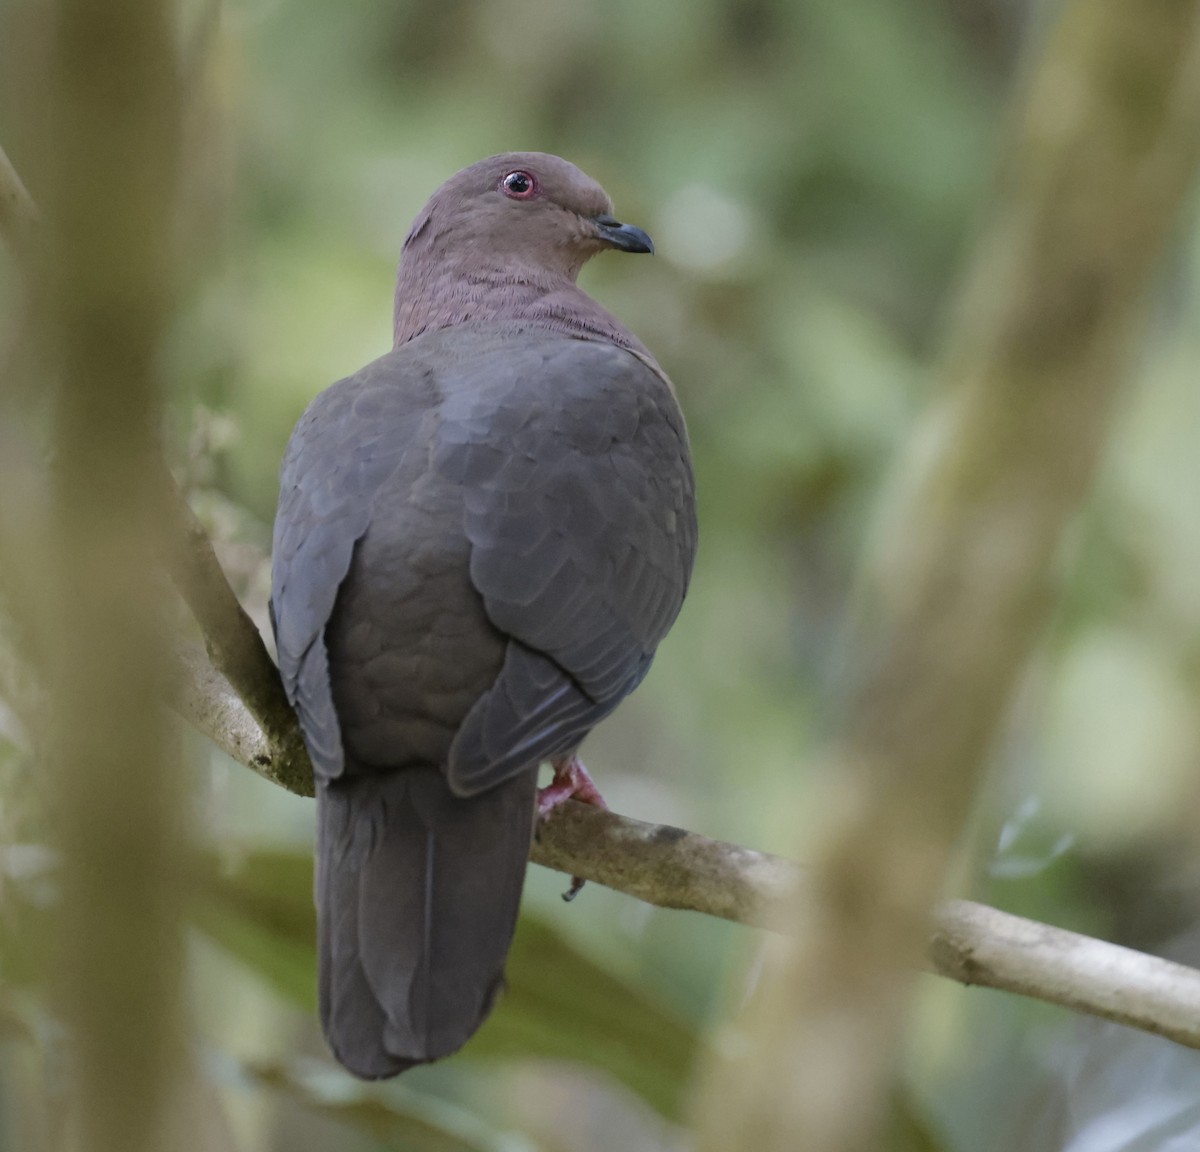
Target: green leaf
x=906 y=1129
x=561 y=1005
x=28 y=900
x=259 y=908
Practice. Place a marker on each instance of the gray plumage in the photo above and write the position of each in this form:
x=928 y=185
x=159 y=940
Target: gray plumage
x=481 y=538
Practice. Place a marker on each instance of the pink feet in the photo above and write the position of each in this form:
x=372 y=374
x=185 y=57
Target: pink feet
x=571 y=782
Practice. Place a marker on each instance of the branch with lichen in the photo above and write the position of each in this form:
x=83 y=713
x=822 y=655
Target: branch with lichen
x=673 y=868
x=235 y=648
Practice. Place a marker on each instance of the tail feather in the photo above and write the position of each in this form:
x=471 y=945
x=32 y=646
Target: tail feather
x=417 y=897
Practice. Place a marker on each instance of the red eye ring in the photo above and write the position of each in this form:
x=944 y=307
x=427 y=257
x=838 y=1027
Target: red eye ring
x=519 y=185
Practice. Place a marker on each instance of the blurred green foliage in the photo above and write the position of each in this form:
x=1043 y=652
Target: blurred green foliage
x=810 y=170
x=559 y=1004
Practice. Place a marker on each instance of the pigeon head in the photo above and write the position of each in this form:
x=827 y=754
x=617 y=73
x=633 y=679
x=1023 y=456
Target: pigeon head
x=527 y=207
x=504 y=240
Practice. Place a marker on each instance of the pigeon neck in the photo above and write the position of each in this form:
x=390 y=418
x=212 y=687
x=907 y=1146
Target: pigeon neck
x=431 y=295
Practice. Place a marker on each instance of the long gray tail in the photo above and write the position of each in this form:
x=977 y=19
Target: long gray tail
x=417 y=896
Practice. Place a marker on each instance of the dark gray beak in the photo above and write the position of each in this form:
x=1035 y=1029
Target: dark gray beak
x=623 y=236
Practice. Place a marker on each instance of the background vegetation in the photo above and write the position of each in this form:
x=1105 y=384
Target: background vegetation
x=811 y=171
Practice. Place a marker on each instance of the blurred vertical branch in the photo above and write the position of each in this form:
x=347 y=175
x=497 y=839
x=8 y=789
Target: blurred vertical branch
x=1104 y=153
x=105 y=297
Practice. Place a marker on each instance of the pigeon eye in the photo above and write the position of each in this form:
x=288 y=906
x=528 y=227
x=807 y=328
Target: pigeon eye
x=519 y=186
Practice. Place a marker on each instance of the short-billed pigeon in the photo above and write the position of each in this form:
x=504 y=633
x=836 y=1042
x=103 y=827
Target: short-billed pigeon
x=481 y=539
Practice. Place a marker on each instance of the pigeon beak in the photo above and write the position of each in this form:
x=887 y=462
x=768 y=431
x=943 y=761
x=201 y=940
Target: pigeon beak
x=623 y=236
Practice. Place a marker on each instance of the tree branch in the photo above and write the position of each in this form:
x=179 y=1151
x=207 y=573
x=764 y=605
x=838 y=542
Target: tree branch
x=234 y=646
x=673 y=868
x=975 y=944
x=104 y=291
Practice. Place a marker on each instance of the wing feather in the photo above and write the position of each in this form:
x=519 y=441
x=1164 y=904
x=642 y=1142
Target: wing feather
x=582 y=539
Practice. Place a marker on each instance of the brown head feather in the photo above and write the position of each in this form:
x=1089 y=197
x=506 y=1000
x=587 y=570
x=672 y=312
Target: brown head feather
x=475 y=254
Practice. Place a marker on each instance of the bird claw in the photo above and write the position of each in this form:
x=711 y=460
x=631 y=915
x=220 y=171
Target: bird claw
x=571 y=782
